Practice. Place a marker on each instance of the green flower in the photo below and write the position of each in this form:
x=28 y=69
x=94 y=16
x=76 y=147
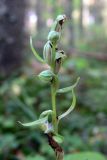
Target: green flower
x=46 y=76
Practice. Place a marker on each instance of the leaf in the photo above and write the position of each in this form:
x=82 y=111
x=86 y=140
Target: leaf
x=35 y=53
x=38 y=122
x=58 y=138
x=7 y=140
x=68 y=89
x=85 y=156
x=46 y=113
x=37 y=157
x=70 y=108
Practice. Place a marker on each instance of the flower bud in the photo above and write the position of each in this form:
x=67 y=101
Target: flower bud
x=46 y=76
x=47 y=52
x=54 y=36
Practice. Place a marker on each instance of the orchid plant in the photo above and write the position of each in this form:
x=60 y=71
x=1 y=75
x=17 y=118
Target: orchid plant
x=54 y=58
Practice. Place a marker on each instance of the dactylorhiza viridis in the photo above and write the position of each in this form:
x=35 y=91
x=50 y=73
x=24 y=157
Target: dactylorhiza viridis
x=54 y=58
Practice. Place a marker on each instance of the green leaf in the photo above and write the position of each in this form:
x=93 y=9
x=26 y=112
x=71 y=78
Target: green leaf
x=85 y=156
x=46 y=113
x=68 y=89
x=36 y=123
x=58 y=138
x=35 y=53
x=70 y=108
x=7 y=140
x=37 y=157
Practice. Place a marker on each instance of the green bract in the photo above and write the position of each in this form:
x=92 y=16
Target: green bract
x=58 y=138
x=67 y=89
x=46 y=113
x=70 y=109
x=35 y=53
x=36 y=123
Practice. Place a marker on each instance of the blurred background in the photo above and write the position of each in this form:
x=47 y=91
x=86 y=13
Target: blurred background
x=23 y=97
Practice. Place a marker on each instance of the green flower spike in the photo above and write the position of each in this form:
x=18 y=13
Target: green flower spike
x=48 y=120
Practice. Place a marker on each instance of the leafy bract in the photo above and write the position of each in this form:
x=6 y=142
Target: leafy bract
x=68 y=89
x=58 y=138
x=36 y=123
x=34 y=52
x=70 y=108
x=46 y=113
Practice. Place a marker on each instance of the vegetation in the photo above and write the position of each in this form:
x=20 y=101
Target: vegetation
x=24 y=98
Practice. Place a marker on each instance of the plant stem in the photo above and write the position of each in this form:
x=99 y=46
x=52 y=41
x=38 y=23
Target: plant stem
x=54 y=116
x=59 y=153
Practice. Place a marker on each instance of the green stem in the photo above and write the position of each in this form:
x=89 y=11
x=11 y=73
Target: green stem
x=54 y=116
